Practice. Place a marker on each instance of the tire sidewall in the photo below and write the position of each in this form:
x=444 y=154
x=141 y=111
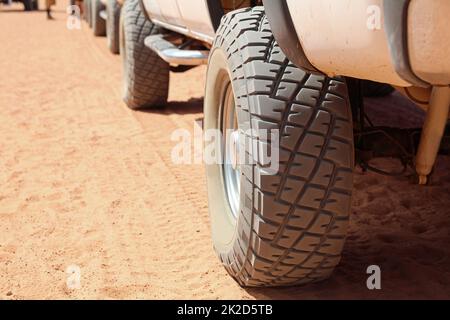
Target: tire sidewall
x=222 y=222
x=90 y=12
x=124 y=53
x=230 y=234
x=112 y=26
x=94 y=6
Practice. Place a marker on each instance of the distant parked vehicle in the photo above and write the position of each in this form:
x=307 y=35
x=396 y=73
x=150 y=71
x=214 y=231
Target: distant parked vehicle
x=29 y=5
x=103 y=17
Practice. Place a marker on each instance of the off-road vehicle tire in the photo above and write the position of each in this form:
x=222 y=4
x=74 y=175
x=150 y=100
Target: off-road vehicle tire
x=145 y=74
x=98 y=24
x=113 y=26
x=84 y=11
x=289 y=227
x=88 y=11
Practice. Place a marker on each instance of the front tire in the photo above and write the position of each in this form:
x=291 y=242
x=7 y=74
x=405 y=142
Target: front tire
x=145 y=74
x=113 y=26
x=288 y=227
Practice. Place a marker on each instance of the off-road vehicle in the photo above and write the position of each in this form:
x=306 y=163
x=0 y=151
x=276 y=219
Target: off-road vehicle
x=296 y=66
x=103 y=17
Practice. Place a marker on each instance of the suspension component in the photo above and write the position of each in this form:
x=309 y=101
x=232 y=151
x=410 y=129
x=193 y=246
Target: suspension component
x=432 y=132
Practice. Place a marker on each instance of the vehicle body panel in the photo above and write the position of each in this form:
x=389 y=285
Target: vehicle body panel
x=169 y=12
x=188 y=17
x=401 y=42
x=365 y=39
x=429 y=40
x=338 y=41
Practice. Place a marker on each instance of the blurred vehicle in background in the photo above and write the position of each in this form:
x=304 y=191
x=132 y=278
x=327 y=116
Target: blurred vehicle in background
x=103 y=17
x=29 y=5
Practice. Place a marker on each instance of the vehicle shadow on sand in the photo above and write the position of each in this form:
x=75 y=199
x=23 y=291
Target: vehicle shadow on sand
x=191 y=106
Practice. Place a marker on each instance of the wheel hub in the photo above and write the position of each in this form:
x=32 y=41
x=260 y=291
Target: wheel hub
x=234 y=149
x=231 y=167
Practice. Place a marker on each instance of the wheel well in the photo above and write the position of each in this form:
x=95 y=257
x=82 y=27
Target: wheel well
x=230 y=5
x=217 y=8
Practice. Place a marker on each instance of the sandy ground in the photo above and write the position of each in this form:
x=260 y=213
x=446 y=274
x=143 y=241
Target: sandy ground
x=84 y=181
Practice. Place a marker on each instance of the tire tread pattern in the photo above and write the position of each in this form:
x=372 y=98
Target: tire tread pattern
x=293 y=224
x=112 y=26
x=146 y=74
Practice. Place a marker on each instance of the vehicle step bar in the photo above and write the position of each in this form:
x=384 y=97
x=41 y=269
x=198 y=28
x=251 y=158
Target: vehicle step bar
x=174 y=55
x=103 y=15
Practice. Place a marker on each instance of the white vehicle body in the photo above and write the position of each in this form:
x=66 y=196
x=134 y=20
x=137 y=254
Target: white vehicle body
x=362 y=38
x=188 y=17
x=356 y=38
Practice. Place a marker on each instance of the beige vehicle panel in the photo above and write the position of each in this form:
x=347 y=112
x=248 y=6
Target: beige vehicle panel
x=342 y=38
x=189 y=17
x=429 y=40
x=347 y=37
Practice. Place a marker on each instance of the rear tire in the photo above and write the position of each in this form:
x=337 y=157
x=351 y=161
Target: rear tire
x=289 y=228
x=88 y=12
x=98 y=24
x=85 y=11
x=113 y=26
x=145 y=74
